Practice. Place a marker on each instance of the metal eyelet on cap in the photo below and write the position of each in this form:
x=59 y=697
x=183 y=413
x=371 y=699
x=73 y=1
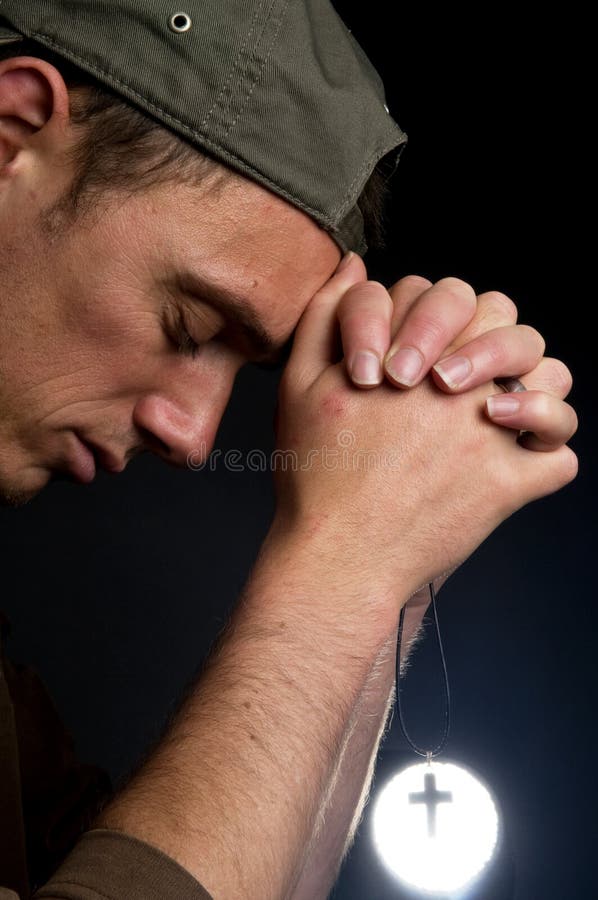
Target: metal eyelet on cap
x=179 y=22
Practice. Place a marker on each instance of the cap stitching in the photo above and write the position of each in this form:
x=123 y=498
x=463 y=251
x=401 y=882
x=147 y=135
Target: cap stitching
x=246 y=74
x=191 y=131
x=233 y=67
x=321 y=217
x=259 y=73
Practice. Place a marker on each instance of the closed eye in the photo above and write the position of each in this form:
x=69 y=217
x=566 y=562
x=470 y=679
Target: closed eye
x=178 y=333
x=184 y=342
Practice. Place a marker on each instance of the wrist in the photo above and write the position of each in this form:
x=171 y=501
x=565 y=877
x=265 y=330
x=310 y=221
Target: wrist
x=306 y=572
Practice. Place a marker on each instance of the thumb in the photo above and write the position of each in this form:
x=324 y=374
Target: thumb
x=545 y=473
x=315 y=338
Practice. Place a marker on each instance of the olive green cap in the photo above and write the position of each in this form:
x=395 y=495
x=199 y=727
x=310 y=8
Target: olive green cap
x=277 y=89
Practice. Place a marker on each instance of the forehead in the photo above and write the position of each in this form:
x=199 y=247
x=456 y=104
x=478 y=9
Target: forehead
x=242 y=238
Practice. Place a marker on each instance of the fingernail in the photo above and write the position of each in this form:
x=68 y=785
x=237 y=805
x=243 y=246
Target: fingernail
x=454 y=370
x=366 y=368
x=344 y=261
x=405 y=365
x=502 y=406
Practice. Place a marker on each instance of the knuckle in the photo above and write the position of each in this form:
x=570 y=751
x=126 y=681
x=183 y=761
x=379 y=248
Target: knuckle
x=365 y=292
x=542 y=406
x=501 y=304
x=456 y=288
x=560 y=375
x=569 y=466
x=427 y=328
x=366 y=288
x=534 y=335
x=414 y=281
x=495 y=349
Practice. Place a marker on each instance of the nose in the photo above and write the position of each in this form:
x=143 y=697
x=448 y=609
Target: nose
x=179 y=418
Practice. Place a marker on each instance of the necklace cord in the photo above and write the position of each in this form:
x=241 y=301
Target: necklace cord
x=429 y=754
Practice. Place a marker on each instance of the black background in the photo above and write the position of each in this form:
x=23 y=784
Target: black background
x=120 y=587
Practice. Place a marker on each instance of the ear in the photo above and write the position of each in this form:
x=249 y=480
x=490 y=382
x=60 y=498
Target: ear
x=34 y=103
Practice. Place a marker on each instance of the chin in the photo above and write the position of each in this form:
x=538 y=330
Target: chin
x=15 y=499
x=17 y=492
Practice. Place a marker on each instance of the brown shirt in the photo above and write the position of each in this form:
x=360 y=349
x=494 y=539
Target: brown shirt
x=48 y=800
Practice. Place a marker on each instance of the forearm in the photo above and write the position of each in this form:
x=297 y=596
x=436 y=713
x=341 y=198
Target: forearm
x=348 y=792
x=234 y=790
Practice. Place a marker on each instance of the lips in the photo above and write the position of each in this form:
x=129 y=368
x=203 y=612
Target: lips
x=81 y=462
x=86 y=457
x=105 y=458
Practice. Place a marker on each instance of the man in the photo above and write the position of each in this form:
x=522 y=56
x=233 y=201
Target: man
x=140 y=272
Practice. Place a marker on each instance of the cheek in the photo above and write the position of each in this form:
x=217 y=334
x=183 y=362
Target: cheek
x=108 y=297
x=113 y=322
x=121 y=335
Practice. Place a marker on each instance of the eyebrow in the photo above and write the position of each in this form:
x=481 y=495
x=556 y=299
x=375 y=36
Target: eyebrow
x=270 y=353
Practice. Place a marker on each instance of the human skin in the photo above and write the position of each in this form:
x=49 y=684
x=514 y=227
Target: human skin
x=91 y=352
x=339 y=816
x=343 y=555
x=290 y=632
x=341 y=812
x=89 y=313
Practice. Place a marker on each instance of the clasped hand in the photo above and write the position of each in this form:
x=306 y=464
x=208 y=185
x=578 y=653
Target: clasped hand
x=415 y=375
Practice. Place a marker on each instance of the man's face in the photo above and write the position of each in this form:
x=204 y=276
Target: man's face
x=93 y=347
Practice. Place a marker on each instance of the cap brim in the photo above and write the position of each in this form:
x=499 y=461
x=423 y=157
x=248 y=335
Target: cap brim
x=8 y=35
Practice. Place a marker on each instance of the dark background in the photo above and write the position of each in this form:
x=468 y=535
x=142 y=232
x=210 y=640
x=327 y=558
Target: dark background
x=120 y=587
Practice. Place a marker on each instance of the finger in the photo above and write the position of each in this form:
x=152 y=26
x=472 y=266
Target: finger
x=433 y=321
x=404 y=293
x=505 y=351
x=543 y=473
x=366 y=314
x=315 y=336
x=550 y=422
x=494 y=310
x=550 y=375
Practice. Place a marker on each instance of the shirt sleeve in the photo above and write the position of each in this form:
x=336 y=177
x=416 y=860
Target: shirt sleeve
x=112 y=865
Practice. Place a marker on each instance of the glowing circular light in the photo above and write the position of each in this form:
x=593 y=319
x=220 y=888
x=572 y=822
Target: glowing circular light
x=436 y=827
